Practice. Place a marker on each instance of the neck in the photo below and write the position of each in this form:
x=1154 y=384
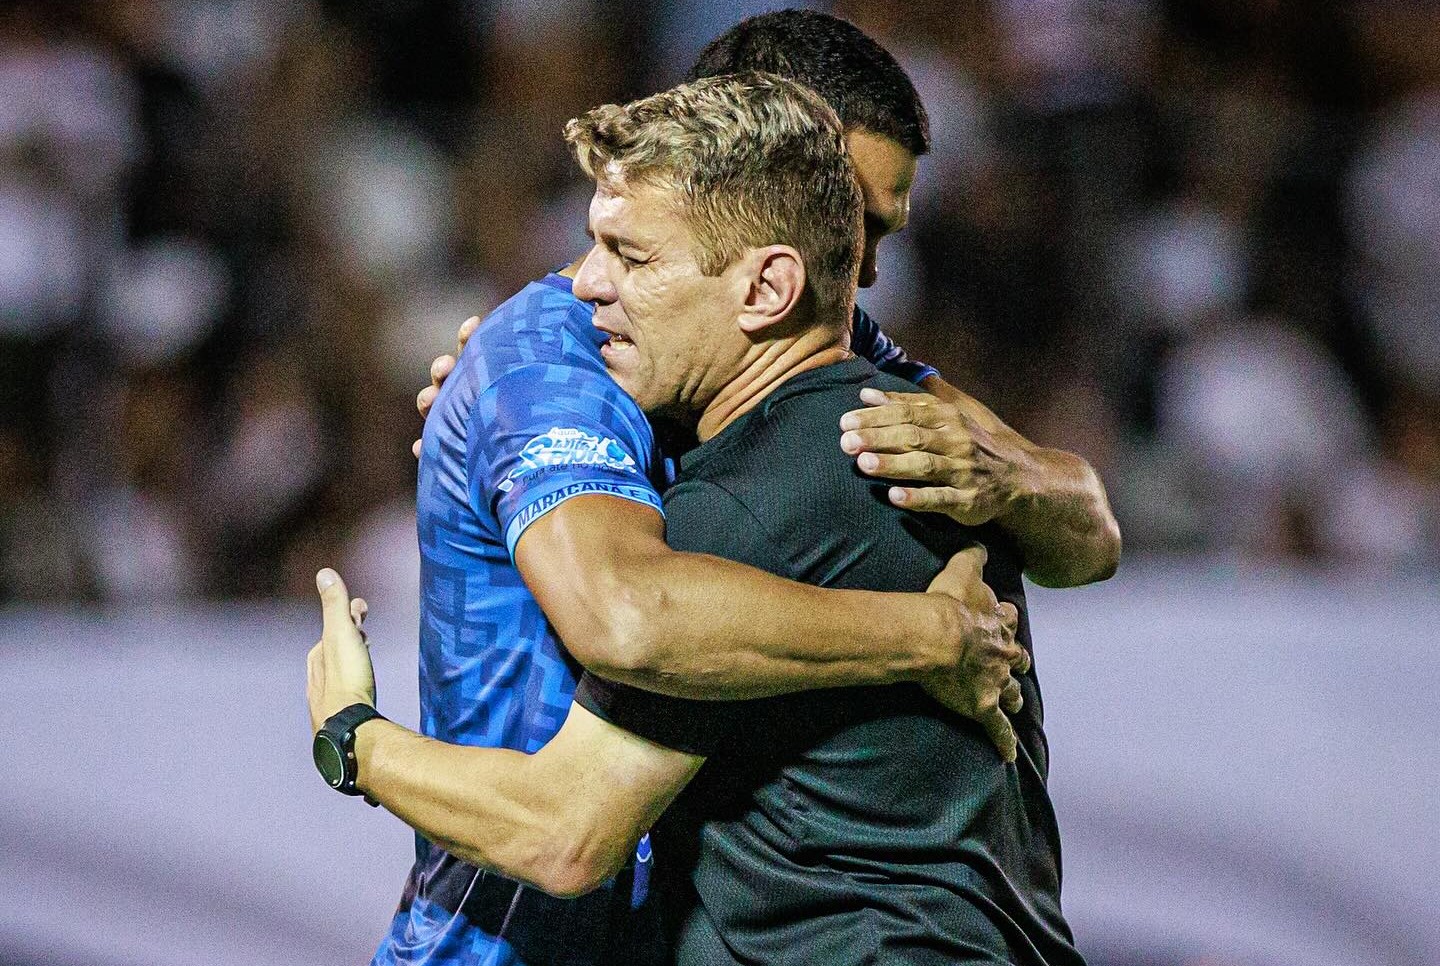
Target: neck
x=766 y=369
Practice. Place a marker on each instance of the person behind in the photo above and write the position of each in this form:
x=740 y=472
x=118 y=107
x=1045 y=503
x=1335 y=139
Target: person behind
x=840 y=825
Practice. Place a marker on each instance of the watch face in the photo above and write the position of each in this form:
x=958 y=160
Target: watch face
x=329 y=760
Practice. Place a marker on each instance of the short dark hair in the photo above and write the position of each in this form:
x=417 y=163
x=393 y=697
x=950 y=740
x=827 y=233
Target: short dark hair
x=833 y=57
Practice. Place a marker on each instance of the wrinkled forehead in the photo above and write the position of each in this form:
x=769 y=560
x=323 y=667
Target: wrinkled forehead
x=637 y=209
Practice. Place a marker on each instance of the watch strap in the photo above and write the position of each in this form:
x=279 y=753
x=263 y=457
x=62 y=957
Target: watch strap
x=340 y=727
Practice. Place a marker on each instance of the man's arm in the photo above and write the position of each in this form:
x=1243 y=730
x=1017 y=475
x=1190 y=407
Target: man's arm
x=565 y=475
x=980 y=470
x=564 y=819
x=633 y=610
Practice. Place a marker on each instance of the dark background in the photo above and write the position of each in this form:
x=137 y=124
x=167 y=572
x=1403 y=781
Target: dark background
x=1197 y=242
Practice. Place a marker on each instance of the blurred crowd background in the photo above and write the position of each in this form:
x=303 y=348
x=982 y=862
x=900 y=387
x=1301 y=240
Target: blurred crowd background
x=1197 y=242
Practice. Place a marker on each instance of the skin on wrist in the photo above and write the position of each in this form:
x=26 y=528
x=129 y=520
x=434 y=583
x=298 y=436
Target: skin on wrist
x=367 y=736
x=1024 y=487
x=937 y=640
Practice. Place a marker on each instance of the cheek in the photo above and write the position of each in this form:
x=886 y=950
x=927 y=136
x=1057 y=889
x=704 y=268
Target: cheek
x=653 y=302
x=640 y=307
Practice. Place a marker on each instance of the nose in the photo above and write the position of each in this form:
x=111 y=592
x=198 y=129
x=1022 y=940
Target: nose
x=592 y=282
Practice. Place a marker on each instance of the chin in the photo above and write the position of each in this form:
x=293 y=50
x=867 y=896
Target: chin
x=653 y=400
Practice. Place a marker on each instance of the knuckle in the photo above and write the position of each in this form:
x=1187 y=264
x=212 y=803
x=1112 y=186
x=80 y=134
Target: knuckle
x=939 y=496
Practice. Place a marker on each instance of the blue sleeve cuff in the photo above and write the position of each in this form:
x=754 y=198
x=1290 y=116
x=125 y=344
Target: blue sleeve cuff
x=546 y=499
x=916 y=372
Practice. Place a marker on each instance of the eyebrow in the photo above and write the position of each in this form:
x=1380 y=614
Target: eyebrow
x=617 y=242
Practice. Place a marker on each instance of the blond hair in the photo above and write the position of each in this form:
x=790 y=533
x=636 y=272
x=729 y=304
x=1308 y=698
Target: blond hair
x=755 y=159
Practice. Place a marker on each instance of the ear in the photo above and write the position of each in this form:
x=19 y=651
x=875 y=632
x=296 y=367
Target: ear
x=776 y=280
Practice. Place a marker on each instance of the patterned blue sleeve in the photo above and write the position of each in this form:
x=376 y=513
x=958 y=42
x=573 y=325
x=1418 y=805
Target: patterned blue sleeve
x=868 y=342
x=543 y=433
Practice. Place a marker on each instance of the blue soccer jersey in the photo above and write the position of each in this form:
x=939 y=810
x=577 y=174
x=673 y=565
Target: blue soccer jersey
x=527 y=420
x=868 y=341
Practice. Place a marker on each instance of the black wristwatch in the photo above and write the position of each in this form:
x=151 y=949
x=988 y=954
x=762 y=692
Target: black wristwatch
x=334 y=748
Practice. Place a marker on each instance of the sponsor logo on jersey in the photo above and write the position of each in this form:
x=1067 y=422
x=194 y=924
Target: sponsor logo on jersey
x=569 y=447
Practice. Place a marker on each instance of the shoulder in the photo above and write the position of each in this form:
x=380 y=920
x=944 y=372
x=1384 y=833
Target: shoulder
x=800 y=492
x=705 y=516
x=783 y=458
x=535 y=357
x=543 y=323
x=806 y=411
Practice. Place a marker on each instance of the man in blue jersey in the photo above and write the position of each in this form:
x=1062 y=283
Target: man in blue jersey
x=531 y=439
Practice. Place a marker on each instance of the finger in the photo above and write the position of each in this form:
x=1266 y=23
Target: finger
x=904 y=438
x=467 y=329
x=424 y=399
x=315 y=665
x=415 y=448
x=440 y=368
x=961 y=505
x=1017 y=655
x=921 y=467
x=880 y=397
x=1021 y=664
x=1011 y=699
x=1001 y=732
x=1009 y=616
x=358 y=610
x=894 y=414
x=975 y=555
x=334 y=602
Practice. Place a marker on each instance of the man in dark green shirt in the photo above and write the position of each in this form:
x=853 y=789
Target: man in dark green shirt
x=848 y=825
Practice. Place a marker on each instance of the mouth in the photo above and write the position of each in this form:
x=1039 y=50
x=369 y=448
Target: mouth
x=617 y=341
x=615 y=347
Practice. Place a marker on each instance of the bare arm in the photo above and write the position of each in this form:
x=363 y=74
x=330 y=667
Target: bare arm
x=1051 y=501
x=563 y=819
x=633 y=610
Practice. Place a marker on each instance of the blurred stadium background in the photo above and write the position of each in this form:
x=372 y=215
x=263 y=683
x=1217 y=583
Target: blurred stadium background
x=1198 y=242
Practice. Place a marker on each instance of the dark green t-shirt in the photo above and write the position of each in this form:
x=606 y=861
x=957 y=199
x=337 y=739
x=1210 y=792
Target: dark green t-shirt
x=854 y=825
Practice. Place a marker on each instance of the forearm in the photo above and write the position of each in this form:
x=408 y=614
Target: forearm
x=1061 y=521
x=696 y=626
x=633 y=610
x=563 y=819
x=1059 y=514
x=481 y=804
